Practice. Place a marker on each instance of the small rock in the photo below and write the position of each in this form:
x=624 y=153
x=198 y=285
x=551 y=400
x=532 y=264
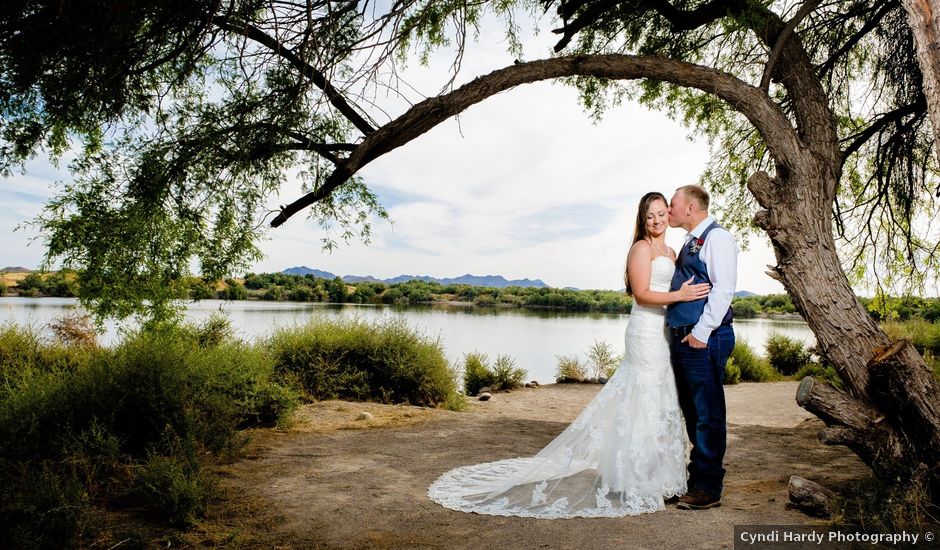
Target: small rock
x=602 y=380
x=592 y=380
x=484 y=389
x=484 y=396
x=528 y=384
x=534 y=383
x=364 y=416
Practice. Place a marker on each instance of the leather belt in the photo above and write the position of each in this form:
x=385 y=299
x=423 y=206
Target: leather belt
x=684 y=330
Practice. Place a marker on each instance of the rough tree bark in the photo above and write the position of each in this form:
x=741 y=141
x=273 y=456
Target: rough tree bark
x=924 y=19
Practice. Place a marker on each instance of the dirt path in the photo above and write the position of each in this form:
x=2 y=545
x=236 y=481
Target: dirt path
x=336 y=482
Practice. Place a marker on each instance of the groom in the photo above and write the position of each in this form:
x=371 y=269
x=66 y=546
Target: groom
x=701 y=341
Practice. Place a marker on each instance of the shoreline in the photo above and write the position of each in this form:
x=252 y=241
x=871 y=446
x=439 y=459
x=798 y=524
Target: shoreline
x=447 y=303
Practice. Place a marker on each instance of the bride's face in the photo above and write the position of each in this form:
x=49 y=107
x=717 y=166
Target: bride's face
x=657 y=218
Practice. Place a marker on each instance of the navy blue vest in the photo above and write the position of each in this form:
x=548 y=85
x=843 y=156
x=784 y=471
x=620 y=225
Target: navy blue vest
x=690 y=264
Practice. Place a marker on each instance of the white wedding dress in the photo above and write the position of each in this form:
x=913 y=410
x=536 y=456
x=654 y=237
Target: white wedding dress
x=623 y=455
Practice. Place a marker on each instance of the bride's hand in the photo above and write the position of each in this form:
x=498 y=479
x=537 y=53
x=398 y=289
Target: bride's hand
x=689 y=292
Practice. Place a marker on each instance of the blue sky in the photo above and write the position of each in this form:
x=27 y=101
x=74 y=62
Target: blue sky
x=524 y=184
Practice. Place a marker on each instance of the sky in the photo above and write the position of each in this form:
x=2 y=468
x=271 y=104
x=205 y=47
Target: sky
x=523 y=185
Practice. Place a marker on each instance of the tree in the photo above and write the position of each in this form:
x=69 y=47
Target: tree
x=924 y=19
x=337 y=291
x=212 y=102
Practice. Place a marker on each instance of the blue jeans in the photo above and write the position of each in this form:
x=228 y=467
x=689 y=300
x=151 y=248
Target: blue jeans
x=699 y=377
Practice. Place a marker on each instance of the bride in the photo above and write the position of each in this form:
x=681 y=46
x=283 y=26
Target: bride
x=625 y=453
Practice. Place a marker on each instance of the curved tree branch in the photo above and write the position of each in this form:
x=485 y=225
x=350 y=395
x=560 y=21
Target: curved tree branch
x=870 y=25
x=806 y=9
x=318 y=78
x=793 y=68
x=681 y=20
x=754 y=104
x=897 y=115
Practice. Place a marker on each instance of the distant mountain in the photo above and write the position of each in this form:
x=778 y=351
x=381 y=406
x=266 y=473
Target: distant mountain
x=406 y=278
x=15 y=270
x=743 y=294
x=357 y=279
x=304 y=270
x=495 y=281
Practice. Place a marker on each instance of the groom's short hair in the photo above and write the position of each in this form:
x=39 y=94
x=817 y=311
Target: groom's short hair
x=696 y=194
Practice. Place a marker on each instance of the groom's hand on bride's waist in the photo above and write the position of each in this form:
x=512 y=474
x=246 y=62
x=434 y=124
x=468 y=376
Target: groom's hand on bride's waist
x=694 y=342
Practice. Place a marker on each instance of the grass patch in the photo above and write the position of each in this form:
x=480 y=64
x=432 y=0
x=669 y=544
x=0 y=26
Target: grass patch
x=877 y=506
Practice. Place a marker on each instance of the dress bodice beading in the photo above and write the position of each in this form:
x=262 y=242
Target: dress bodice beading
x=661 y=274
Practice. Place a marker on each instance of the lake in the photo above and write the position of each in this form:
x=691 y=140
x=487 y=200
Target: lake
x=532 y=337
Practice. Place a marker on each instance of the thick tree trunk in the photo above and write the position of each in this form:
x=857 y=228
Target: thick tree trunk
x=924 y=19
x=890 y=413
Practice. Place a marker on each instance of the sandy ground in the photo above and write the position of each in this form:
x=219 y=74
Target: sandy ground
x=331 y=481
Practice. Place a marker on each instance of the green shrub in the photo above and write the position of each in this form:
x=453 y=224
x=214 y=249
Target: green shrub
x=824 y=372
x=233 y=291
x=32 y=282
x=570 y=369
x=786 y=355
x=173 y=487
x=77 y=423
x=745 y=308
x=601 y=359
x=752 y=367
x=42 y=508
x=506 y=375
x=24 y=353
x=350 y=359
x=923 y=334
x=212 y=332
x=732 y=373
x=477 y=372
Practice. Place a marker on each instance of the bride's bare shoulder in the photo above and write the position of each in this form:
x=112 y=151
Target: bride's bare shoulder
x=641 y=252
x=642 y=247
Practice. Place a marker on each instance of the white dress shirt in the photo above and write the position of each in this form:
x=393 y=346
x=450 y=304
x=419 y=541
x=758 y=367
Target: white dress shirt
x=720 y=255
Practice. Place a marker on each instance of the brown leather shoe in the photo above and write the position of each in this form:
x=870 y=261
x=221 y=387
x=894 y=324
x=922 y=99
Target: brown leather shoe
x=697 y=499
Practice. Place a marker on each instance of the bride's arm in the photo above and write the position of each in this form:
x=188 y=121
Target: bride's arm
x=640 y=268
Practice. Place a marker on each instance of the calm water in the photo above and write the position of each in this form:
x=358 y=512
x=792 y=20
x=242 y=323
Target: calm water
x=532 y=338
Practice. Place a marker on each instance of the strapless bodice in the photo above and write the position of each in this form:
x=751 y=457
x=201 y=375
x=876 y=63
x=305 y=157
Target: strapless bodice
x=661 y=275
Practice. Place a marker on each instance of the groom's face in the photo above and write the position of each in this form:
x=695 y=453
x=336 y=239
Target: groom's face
x=678 y=207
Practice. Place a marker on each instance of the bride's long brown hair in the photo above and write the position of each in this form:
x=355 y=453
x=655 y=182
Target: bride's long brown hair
x=639 y=233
